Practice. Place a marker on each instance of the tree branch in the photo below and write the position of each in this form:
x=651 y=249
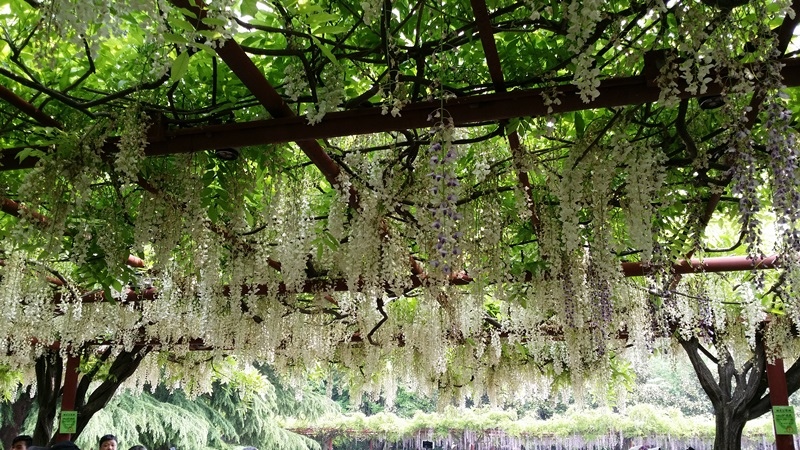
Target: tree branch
x=704 y=375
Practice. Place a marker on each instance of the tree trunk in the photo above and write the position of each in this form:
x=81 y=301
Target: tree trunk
x=49 y=390
x=729 y=427
x=124 y=365
x=734 y=392
x=49 y=368
x=19 y=411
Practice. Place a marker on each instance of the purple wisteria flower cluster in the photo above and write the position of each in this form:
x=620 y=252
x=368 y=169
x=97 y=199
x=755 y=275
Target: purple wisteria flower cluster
x=746 y=182
x=783 y=160
x=603 y=312
x=444 y=189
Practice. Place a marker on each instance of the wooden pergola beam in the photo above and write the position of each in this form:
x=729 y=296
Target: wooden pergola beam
x=614 y=92
x=629 y=269
x=27 y=108
x=706 y=265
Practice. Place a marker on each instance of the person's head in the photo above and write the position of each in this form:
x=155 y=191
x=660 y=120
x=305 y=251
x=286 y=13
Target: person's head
x=138 y=447
x=21 y=442
x=108 y=442
x=60 y=445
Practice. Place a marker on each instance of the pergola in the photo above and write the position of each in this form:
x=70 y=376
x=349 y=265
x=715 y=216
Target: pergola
x=549 y=149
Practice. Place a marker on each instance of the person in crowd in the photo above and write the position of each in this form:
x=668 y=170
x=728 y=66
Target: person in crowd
x=21 y=442
x=138 y=447
x=62 y=445
x=108 y=442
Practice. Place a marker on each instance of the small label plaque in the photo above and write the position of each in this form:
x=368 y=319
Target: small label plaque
x=784 y=420
x=69 y=422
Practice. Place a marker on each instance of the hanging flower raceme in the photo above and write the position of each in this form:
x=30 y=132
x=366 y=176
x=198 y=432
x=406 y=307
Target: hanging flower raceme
x=582 y=17
x=444 y=195
x=745 y=184
x=133 y=125
x=330 y=94
x=784 y=163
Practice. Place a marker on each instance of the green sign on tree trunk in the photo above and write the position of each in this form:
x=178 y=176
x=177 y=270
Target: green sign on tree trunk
x=69 y=422
x=783 y=418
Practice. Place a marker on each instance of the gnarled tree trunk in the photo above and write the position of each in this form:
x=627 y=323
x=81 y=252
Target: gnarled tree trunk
x=49 y=388
x=729 y=429
x=49 y=370
x=739 y=392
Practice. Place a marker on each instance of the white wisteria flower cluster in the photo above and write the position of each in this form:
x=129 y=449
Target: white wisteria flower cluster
x=133 y=125
x=86 y=24
x=295 y=81
x=582 y=17
x=330 y=94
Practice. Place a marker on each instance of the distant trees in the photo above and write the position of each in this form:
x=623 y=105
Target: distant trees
x=670 y=382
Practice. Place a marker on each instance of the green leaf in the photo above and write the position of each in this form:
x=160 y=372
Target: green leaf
x=179 y=67
x=187 y=12
x=580 y=125
x=175 y=38
x=214 y=21
x=206 y=48
x=249 y=41
x=261 y=23
x=321 y=17
x=211 y=35
x=107 y=294
x=309 y=9
x=330 y=241
x=331 y=29
x=249 y=7
x=179 y=23
x=27 y=152
x=325 y=50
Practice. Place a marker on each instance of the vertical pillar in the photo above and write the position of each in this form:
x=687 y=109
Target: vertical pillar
x=69 y=393
x=779 y=396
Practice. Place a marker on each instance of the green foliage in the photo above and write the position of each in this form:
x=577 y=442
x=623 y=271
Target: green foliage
x=10 y=383
x=243 y=410
x=670 y=383
x=155 y=424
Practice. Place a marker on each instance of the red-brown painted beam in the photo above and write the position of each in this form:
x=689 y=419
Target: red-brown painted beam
x=486 y=34
x=498 y=106
x=728 y=263
x=716 y=264
x=630 y=269
x=464 y=111
x=27 y=108
x=13 y=208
